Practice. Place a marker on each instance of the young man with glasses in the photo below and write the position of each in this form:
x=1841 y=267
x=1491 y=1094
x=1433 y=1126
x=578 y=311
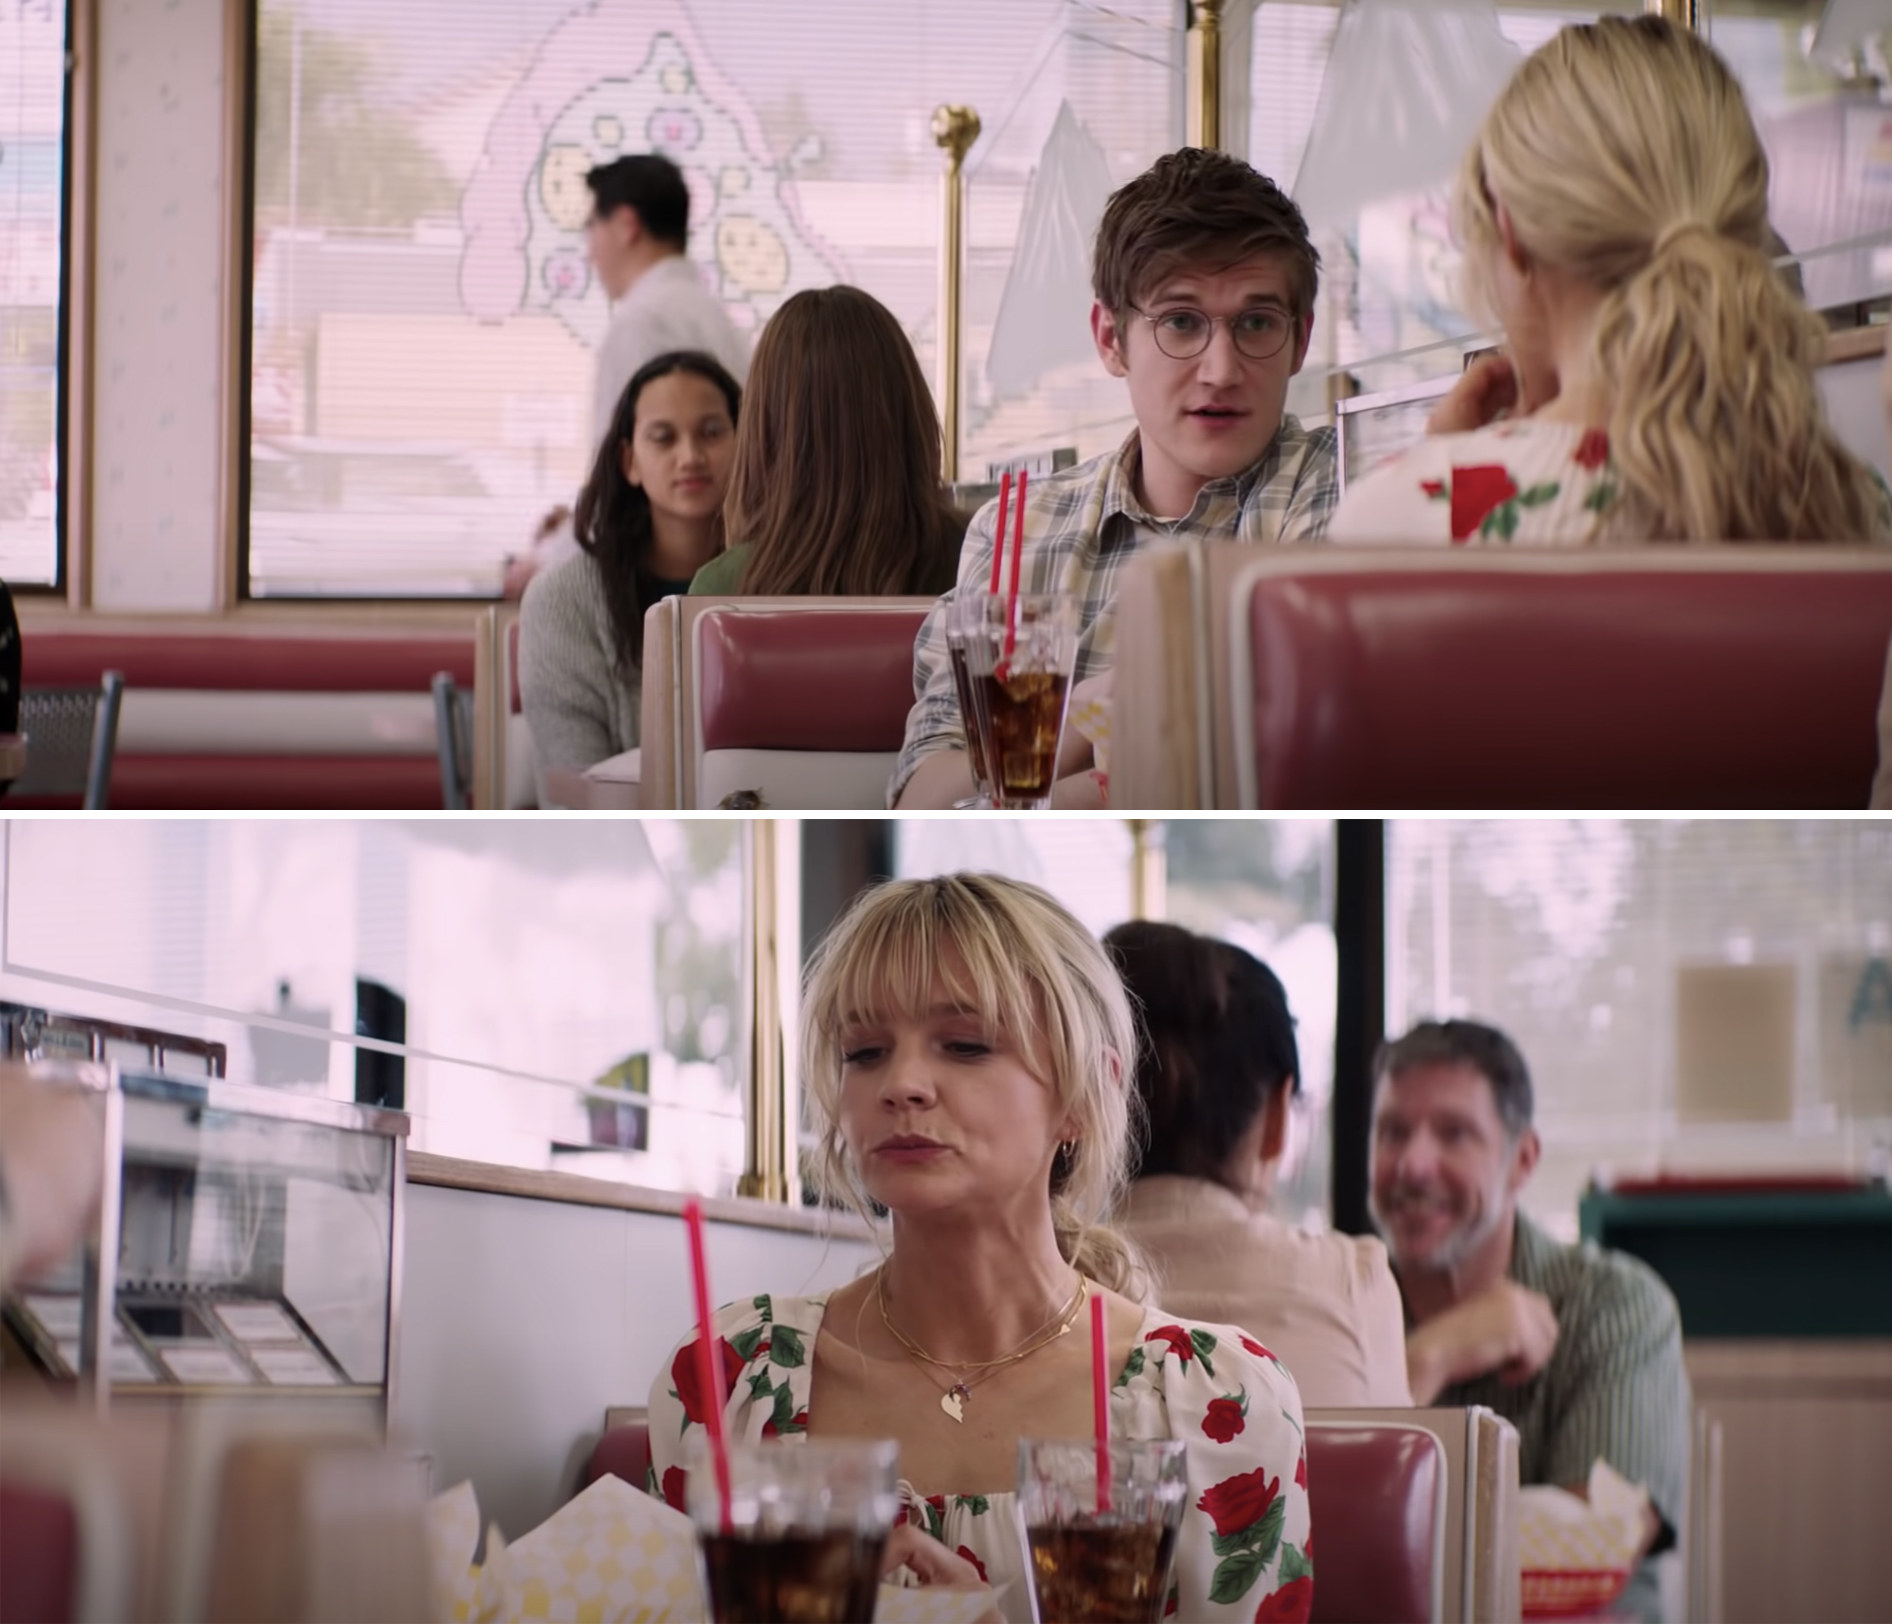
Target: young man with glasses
x=1204 y=281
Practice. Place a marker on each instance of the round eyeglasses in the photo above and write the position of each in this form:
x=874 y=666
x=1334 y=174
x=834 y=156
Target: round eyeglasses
x=1182 y=334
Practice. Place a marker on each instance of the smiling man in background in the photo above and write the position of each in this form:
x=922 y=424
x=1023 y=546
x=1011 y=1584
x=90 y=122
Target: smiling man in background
x=1580 y=1349
x=1204 y=280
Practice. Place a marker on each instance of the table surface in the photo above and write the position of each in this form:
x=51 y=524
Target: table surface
x=579 y=792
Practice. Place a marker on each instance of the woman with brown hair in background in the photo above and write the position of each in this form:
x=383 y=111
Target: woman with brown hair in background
x=836 y=487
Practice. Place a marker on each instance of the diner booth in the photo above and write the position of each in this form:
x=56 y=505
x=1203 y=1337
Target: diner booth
x=296 y=379
x=400 y=1121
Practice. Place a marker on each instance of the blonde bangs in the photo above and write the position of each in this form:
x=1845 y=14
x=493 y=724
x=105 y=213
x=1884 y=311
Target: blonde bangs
x=1009 y=953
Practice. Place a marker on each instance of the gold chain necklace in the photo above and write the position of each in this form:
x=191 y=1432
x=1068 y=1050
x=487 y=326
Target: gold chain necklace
x=955 y=1398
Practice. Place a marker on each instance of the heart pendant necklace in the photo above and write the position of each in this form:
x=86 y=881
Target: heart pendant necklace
x=953 y=1400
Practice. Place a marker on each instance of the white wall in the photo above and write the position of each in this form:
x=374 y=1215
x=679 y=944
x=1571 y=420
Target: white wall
x=522 y=1320
x=157 y=356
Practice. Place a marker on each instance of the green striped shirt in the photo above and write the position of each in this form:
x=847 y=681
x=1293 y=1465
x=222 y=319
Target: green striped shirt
x=1615 y=1387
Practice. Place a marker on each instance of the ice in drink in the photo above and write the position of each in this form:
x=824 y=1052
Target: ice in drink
x=827 y=1576
x=1025 y=711
x=1110 y=1572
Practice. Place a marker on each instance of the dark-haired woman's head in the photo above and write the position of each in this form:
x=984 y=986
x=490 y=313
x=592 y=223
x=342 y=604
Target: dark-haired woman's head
x=1215 y=1052
x=837 y=477
x=660 y=474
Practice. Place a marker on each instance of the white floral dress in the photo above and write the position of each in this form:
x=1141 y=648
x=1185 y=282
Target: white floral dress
x=1245 y=1548
x=1523 y=481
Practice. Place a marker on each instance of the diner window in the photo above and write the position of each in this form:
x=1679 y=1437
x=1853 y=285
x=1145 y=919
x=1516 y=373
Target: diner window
x=423 y=319
x=1816 y=76
x=34 y=101
x=562 y=998
x=1361 y=112
x=1265 y=885
x=1691 y=996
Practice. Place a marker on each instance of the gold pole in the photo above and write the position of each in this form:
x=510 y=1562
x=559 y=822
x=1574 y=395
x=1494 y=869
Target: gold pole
x=1683 y=13
x=765 y=1174
x=954 y=131
x=1149 y=869
x=1205 y=74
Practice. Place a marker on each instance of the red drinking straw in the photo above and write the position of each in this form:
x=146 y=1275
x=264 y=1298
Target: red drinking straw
x=709 y=1359
x=998 y=531
x=1018 y=547
x=1100 y=1400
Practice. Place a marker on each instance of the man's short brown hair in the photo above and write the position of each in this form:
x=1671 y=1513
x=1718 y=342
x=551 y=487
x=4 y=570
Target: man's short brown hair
x=1202 y=211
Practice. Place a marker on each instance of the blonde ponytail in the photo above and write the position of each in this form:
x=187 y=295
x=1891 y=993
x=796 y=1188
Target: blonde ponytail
x=1625 y=155
x=1716 y=425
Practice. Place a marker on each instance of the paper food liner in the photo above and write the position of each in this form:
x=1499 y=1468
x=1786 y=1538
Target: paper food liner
x=1089 y=713
x=1576 y=1555
x=613 y=1555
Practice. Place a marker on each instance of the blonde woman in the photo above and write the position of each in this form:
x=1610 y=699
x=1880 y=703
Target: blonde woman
x=966 y=1048
x=1657 y=382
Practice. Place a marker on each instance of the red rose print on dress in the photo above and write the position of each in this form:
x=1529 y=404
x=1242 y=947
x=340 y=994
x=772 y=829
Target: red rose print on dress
x=1227 y=1416
x=1248 y=1513
x=1593 y=450
x=674 y=1483
x=1293 y=1603
x=1237 y=1503
x=1300 y=1471
x=967 y=1554
x=1175 y=1336
x=684 y=1376
x=1476 y=492
x=1434 y=488
x=1187 y=1345
x=1257 y=1349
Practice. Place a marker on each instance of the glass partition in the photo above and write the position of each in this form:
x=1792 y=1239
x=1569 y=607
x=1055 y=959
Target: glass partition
x=1362 y=111
x=1816 y=75
x=542 y=996
x=1692 y=995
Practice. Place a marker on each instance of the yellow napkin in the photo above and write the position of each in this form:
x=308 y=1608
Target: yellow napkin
x=1090 y=715
x=611 y=1556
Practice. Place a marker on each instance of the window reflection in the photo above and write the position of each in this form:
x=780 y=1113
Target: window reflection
x=533 y=961
x=1696 y=994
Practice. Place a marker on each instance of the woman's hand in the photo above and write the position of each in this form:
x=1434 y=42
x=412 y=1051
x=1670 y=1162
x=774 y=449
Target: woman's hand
x=1487 y=387
x=932 y=1564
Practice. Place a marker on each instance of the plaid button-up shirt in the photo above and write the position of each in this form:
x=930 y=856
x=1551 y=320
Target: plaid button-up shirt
x=1083 y=526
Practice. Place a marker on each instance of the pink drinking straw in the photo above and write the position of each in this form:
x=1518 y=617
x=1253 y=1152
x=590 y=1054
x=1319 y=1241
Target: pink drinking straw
x=1100 y=1400
x=998 y=532
x=1018 y=547
x=709 y=1358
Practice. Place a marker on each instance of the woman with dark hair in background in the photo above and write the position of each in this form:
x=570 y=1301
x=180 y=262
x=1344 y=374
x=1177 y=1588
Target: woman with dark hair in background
x=836 y=488
x=648 y=518
x=1216 y=1065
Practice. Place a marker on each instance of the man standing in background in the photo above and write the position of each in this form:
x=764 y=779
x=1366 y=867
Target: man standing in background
x=637 y=240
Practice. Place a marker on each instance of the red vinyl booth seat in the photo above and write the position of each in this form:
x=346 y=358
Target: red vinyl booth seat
x=806 y=680
x=1376 y=1492
x=1376 y=1499
x=1731 y=677
x=248 y=668
x=802 y=700
x=39 y=1556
